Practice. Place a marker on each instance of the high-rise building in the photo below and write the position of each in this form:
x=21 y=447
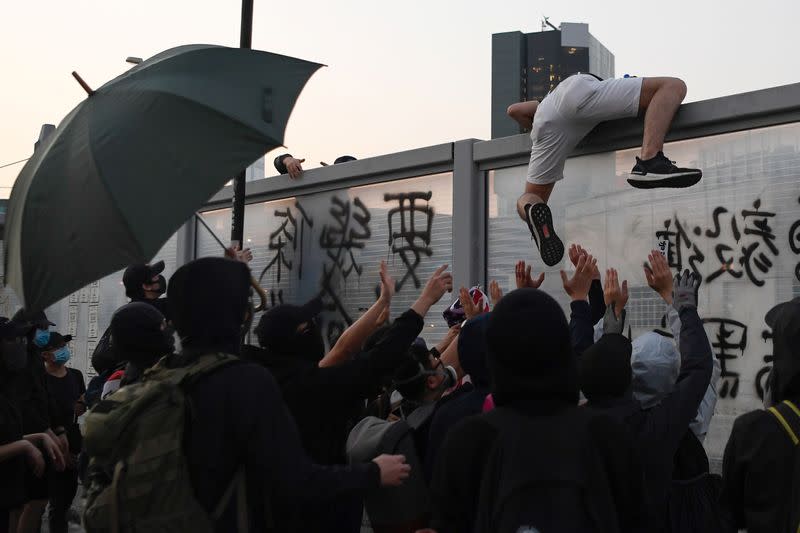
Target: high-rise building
x=526 y=66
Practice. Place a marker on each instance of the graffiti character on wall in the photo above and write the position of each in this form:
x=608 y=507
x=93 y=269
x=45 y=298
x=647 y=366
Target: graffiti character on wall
x=729 y=336
x=794 y=243
x=744 y=244
x=410 y=240
x=349 y=231
x=763 y=373
x=292 y=231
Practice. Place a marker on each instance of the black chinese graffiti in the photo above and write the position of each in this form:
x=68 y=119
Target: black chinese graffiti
x=348 y=232
x=728 y=337
x=794 y=243
x=748 y=249
x=292 y=230
x=763 y=374
x=410 y=240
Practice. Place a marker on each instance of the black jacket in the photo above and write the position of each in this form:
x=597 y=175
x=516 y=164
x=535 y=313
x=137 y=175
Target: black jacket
x=240 y=419
x=326 y=402
x=758 y=461
x=458 y=474
x=658 y=431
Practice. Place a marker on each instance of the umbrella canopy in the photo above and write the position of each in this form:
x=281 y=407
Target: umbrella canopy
x=133 y=162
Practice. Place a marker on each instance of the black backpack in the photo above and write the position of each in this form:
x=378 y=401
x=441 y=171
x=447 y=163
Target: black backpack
x=535 y=479
x=788 y=415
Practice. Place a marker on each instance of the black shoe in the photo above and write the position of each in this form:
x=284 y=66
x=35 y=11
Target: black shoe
x=540 y=222
x=661 y=172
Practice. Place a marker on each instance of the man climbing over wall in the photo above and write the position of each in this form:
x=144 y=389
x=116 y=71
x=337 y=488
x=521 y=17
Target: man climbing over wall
x=572 y=110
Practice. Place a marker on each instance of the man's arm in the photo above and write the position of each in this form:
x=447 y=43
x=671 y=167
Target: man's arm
x=353 y=338
x=523 y=113
x=679 y=408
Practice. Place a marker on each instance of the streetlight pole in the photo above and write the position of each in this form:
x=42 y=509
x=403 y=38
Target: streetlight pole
x=237 y=220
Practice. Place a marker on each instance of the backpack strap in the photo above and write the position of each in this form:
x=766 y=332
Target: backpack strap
x=237 y=485
x=788 y=415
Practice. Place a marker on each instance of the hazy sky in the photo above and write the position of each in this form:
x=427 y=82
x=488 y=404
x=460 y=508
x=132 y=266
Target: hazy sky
x=400 y=75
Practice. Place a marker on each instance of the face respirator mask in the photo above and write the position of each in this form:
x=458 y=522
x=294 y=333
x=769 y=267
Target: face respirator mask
x=41 y=337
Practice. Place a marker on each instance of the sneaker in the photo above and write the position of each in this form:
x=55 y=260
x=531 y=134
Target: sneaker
x=540 y=223
x=661 y=172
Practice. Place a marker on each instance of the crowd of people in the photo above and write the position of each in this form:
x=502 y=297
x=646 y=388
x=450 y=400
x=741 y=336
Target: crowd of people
x=520 y=419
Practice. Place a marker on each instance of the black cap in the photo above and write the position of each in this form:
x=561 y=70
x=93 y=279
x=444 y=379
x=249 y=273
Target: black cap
x=137 y=275
x=773 y=314
x=37 y=319
x=11 y=329
x=344 y=159
x=57 y=340
x=279 y=324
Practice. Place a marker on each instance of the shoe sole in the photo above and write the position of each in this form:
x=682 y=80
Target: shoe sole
x=550 y=246
x=668 y=181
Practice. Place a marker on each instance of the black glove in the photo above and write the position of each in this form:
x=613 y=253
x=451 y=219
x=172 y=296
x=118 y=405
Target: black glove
x=612 y=324
x=684 y=290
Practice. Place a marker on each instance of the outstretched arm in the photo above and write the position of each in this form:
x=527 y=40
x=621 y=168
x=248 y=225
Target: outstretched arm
x=353 y=338
x=523 y=113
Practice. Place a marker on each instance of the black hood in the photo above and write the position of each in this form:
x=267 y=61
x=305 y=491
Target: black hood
x=277 y=331
x=530 y=354
x=472 y=350
x=604 y=369
x=138 y=334
x=784 y=380
x=207 y=303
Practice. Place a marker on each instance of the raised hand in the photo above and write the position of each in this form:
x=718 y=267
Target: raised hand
x=467 y=303
x=387 y=284
x=659 y=276
x=685 y=289
x=575 y=252
x=524 y=279
x=495 y=292
x=614 y=293
x=438 y=284
x=577 y=287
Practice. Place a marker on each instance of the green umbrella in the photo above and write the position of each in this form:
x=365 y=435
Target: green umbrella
x=135 y=160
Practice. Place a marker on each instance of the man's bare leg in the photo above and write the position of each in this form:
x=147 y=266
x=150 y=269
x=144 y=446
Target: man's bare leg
x=534 y=194
x=660 y=100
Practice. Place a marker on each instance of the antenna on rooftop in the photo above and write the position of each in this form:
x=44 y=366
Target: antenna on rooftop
x=546 y=23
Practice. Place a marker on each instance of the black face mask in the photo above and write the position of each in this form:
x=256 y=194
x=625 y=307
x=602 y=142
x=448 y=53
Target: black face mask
x=13 y=355
x=162 y=285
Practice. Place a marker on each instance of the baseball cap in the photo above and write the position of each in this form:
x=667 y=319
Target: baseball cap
x=57 y=340
x=136 y=275
x=279 y=324
x=38 y=318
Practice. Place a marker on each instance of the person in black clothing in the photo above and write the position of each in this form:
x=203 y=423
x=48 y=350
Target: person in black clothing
x=29 y=390
x=534 y=383
x=605 y=379
x=139 y=336
x=468 y=399
x=66 y=389
x=326 y=401
x=759 y=462
x=240 y=419
x=20 y=453
x=145 y=283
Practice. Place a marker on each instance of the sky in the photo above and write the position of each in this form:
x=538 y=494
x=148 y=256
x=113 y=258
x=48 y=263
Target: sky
x=399 y=75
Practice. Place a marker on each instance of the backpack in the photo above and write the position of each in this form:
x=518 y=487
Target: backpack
x=536 y=477
x=403 y=508
x=138 y=477
x=788 y=415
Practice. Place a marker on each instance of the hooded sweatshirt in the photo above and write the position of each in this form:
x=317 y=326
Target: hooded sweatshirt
x=240 y=420
x=658 y=431
x=758 y=462
x=533 y=373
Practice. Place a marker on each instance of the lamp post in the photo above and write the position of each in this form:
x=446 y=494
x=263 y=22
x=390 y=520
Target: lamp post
x=237 y=218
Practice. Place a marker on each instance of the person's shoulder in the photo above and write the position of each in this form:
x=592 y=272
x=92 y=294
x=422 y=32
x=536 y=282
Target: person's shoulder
x=759 y=421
